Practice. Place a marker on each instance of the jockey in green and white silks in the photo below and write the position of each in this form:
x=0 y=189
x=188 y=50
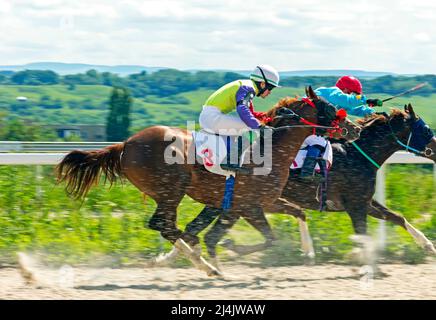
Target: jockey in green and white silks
x=346 y=94
x=237 y=96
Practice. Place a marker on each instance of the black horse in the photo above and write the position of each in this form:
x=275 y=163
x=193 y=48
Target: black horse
x=351 y=184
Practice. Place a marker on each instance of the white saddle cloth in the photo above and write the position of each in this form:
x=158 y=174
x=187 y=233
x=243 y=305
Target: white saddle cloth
x=212 y=150
x=310 y=141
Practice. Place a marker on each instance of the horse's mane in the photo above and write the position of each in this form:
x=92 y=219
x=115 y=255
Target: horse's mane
x=378 y=119
x=285 y=102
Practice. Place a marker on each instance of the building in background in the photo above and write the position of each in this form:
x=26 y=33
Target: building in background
x=21 y=99
x=85 y=132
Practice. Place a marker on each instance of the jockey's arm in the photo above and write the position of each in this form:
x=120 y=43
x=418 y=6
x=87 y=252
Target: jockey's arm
x=354 y=104
x=243 y=99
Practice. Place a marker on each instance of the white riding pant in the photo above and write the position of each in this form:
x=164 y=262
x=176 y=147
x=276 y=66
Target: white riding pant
x=214 y=121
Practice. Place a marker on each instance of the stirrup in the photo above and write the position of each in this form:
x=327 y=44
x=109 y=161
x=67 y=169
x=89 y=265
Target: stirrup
x=235 y=168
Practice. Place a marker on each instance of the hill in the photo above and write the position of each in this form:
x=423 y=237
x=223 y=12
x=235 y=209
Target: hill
x=123 y=70
x=73 y=68
x=87 y=104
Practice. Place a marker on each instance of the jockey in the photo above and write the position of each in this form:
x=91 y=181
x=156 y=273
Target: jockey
x=346 y=94
x=237 y=96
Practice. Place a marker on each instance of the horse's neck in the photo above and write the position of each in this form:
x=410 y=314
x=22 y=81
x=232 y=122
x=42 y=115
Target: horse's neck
x=286 y=145
x=379 y=146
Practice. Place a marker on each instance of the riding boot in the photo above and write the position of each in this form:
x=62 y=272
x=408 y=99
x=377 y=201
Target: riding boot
x=308 y=168
x=236 y=167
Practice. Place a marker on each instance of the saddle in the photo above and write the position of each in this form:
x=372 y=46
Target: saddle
x=213 y=150
x=224 y=155
x=297 y=163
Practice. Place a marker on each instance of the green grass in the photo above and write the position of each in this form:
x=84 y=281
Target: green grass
x=36 y=215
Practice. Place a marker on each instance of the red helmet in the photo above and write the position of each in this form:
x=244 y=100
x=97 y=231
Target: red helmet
x=351 y=83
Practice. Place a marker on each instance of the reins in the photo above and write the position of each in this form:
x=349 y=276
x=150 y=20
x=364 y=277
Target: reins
x=306 y=123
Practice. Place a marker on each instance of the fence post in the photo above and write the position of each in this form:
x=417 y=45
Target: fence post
x=380 y=196
x=434 y=175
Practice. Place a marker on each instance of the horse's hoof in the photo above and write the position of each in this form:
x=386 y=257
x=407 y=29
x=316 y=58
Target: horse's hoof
x=429 y=247
x=309 y=261
x=215 y=273
x=215 y=264
x=25 y=270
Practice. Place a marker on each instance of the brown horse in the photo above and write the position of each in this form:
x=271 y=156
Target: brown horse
x=381 y=137
x=351 y=182
x=141 y=160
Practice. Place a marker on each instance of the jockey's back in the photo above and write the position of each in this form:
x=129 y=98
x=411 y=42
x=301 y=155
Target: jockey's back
x=226 y=97
x=354 y=104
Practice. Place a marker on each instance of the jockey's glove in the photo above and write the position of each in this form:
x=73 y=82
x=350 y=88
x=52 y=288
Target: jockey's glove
x=374 y=102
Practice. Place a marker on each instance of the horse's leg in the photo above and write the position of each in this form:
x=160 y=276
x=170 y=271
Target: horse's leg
x=204 y=219
x=358 y=215
x=225 y=222
x=164 y=224
x=281 y=205
x=257 y=219
x=164 y=221
x=365 y=253
x=381 y=212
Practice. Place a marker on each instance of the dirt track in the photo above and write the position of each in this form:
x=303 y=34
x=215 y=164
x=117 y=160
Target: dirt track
x=241 y=282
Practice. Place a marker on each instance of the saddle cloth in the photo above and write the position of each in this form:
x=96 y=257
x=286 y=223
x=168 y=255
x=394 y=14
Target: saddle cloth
x=301 y=155
x=212 y=149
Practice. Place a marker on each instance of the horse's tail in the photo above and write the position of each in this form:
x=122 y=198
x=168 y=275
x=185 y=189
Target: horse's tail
x=82 y=169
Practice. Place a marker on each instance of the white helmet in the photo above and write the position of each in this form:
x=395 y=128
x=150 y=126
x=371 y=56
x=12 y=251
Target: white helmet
x=266 y=73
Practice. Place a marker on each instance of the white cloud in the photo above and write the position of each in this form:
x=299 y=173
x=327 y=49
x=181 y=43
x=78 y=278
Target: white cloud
x=422 y=37
x=372 y=35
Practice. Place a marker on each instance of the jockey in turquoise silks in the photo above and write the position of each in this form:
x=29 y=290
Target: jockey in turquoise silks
x=238 y=96
x=346 y=94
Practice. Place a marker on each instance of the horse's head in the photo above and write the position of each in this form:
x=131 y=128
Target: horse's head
x=413 y=133
x=313 y=110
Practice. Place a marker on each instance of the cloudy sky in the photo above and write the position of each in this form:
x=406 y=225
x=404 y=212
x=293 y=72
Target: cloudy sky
x=390 y=35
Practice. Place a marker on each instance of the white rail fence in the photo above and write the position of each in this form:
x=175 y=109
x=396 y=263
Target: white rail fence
x=31 y=146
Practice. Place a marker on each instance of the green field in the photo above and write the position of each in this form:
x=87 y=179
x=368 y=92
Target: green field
x=36 y=215
x=87 y=104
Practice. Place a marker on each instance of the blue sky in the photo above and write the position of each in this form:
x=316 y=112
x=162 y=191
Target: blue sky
x=395 y=36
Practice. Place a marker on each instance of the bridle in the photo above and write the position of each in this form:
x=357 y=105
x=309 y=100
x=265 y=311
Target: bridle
x=410 y=145
x=324 y=121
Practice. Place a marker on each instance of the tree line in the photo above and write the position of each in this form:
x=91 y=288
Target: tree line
x=169 y=82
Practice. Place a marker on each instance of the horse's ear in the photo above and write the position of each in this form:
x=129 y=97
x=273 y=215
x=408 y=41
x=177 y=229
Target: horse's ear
x=411 y=111
x=406 y=109
x=312 y=95
x=306 y=89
